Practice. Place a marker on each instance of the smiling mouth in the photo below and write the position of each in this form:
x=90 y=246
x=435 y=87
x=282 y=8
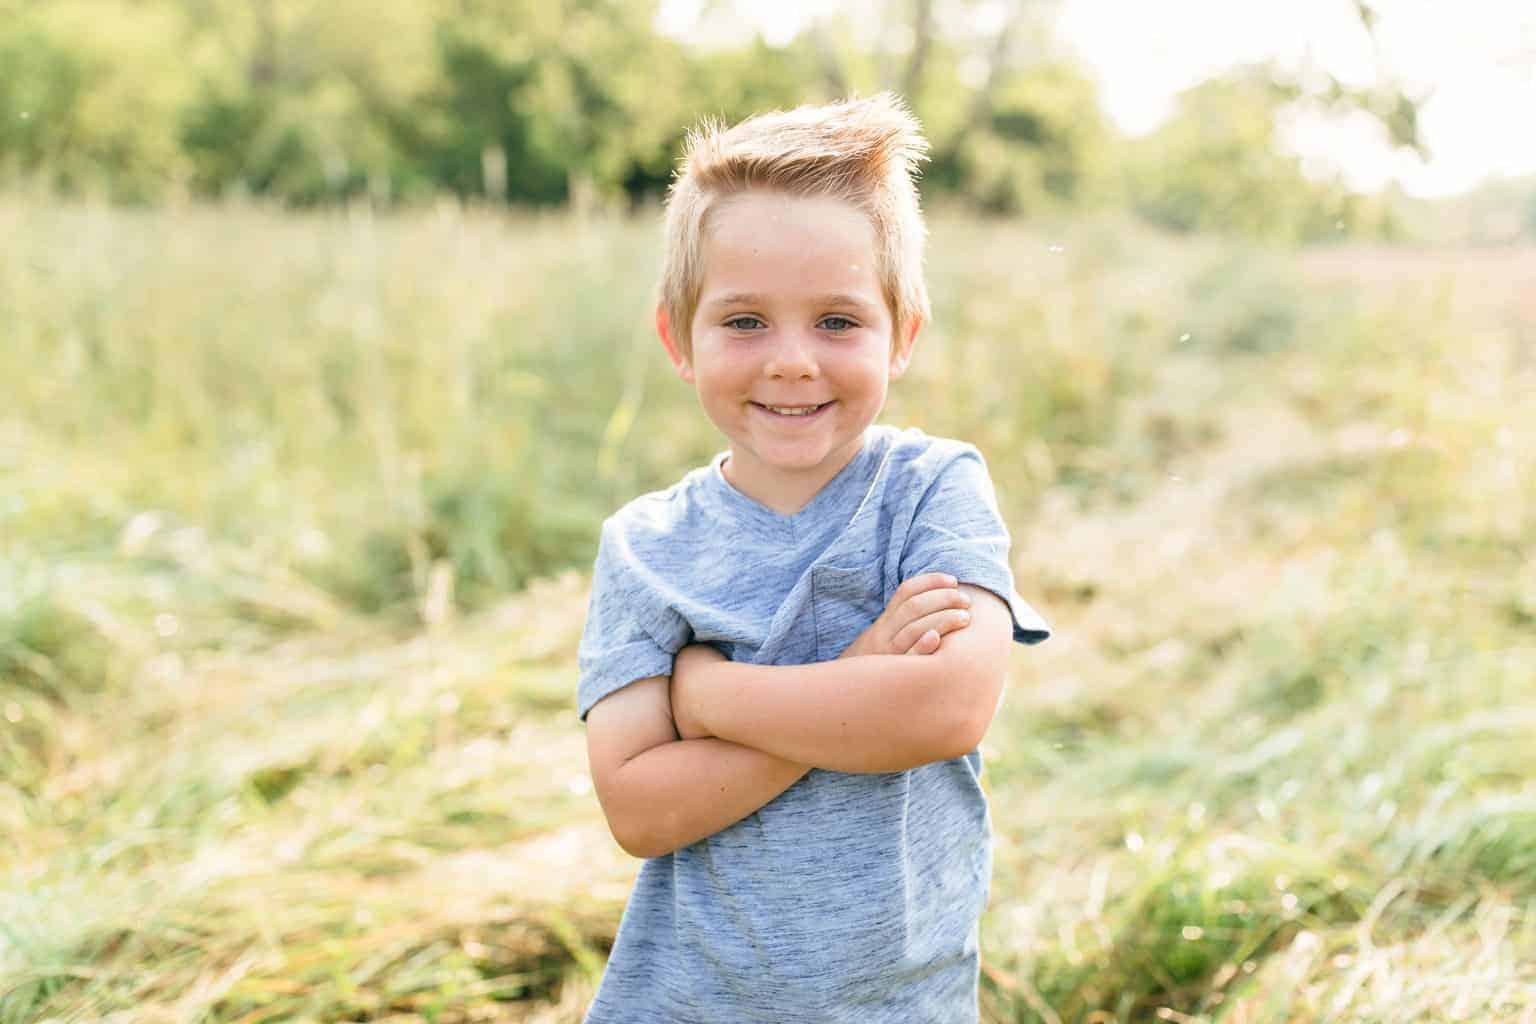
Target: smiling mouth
x=792 y=411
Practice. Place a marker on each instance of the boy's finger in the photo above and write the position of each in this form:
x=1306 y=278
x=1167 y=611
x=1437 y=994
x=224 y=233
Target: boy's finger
x=946 y=621
x=926 y=644
x=930 y=601
x=917 y=584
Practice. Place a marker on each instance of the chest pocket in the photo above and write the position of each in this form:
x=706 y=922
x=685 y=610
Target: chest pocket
x=845 y=602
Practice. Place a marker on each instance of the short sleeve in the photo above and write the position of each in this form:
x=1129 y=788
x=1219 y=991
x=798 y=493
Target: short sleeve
x=617 y=647
x=957 y=529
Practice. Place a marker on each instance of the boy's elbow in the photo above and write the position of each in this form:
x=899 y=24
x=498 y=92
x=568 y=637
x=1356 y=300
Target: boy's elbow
x=640 y=847
x=637 y=833
x=972 y=730
x=969 y=694
x=631 y=840
x=637 y=840
x=645 y=835
x=971 y=666
x=963 y=733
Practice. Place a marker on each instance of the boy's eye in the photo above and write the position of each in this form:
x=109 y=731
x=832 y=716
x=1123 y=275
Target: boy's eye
x=837 y=323
x=744 y=323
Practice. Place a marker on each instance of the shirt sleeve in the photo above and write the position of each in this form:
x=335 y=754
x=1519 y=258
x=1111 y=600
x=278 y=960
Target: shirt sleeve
x=957 y=529
x=617 y=647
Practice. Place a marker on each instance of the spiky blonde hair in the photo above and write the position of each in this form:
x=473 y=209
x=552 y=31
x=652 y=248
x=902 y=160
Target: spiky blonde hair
x=863 y=151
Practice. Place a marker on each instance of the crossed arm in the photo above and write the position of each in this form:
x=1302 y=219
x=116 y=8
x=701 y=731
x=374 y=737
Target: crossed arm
x=676 y=760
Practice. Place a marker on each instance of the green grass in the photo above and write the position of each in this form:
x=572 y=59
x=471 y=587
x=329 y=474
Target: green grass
x=294 y=512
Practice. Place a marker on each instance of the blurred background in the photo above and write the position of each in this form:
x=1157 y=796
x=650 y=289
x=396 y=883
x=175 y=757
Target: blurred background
x=325 y=348
x=1194 y=116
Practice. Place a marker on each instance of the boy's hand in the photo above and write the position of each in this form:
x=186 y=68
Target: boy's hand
x=685 y=667
x=922 y=610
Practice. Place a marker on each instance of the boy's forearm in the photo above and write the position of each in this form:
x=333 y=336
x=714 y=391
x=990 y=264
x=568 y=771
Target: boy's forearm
x=678 y=793
x=875 y=713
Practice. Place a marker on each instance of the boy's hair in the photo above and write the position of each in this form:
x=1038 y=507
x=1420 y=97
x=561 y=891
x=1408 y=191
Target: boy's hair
x=863 y=151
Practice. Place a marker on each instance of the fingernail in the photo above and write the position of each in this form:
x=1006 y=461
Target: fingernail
x=965 y=616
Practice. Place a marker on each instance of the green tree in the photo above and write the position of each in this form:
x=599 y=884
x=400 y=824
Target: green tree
x=574 y=99
x=582 y=101
x=88 y=96
x=296 y=99
x=1042 y=142
x=1217 y=164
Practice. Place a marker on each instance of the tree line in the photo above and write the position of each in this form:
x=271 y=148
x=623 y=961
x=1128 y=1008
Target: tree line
x=584 y=103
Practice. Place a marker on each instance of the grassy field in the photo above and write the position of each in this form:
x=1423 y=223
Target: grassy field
x=294 y=515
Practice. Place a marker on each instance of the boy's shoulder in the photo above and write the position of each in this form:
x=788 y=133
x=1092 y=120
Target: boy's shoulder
x=662 y=515
x=915 y=457
x=911 y=444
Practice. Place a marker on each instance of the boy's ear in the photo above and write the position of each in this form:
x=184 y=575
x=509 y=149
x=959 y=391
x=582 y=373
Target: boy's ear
x=680 y=361
x=901 y=347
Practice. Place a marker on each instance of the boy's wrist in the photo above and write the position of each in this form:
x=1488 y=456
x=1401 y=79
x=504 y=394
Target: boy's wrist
x=687 y=689
x=855 y=649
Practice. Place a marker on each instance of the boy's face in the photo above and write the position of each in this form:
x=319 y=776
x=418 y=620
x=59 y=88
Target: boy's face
x=793 y=343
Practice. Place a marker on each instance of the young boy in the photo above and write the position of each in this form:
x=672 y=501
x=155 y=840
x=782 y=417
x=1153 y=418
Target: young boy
x=791 y=655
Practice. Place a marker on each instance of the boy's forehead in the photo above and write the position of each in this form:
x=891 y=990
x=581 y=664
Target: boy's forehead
x=757 y=207
x=757 y=245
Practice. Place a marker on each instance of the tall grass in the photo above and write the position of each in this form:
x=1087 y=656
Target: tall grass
x=357 y=398
x=288 y=509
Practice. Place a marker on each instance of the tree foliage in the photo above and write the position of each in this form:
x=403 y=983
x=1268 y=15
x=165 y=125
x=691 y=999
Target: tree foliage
x=1217 y=165
x=585 y=102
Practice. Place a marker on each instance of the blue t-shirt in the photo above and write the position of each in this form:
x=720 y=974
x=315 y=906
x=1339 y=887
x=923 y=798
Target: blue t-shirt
x=848 y=897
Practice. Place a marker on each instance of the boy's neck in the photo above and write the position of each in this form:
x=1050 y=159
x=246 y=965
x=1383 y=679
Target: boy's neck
x=786 y=492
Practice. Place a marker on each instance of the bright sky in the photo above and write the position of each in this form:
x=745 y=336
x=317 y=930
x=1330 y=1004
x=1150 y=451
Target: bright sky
x=1475 y=60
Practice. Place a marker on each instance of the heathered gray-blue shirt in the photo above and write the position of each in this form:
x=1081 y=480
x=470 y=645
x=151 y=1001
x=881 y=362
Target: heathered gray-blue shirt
x=849 y=897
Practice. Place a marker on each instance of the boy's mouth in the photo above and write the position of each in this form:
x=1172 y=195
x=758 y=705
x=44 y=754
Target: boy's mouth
x=792 y=411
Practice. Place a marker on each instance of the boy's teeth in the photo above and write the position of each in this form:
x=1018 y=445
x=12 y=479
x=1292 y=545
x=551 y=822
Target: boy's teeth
x=786 y=411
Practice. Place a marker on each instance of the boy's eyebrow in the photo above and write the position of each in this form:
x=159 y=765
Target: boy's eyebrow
x=756 y=299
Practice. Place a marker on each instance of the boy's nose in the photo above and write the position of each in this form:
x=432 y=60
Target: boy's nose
x=791 y=357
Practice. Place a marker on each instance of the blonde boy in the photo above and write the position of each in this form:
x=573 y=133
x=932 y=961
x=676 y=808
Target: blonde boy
x=791 y=655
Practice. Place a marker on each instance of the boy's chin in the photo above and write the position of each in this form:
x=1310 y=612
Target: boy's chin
x=804 y=457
